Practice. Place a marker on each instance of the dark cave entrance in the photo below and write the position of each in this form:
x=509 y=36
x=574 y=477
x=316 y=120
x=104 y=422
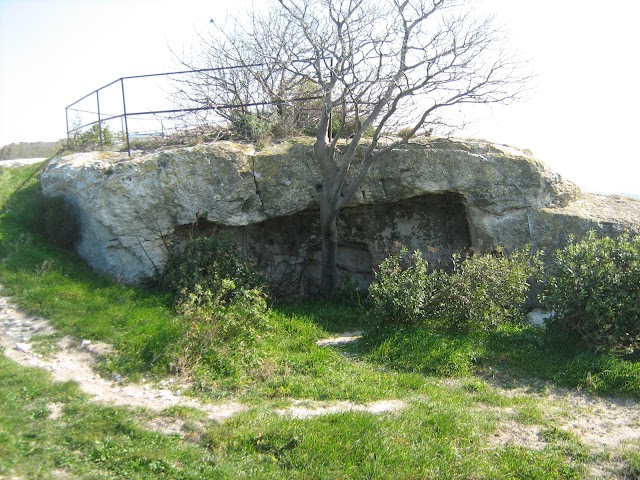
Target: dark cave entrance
x=288 y=248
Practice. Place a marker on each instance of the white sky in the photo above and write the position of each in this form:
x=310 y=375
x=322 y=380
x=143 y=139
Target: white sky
x=582 y=118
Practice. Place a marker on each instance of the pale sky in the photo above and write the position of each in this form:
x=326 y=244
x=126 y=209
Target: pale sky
x=581 y=119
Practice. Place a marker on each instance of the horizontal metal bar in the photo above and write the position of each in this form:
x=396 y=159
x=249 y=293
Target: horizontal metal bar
x=182 y=72
x=195 y=109
x=166 y=74
x=217 y=69
x=87 y=111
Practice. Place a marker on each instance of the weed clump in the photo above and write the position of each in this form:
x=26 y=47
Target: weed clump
x=219 y=336
x=222 y=310
x=92 y=139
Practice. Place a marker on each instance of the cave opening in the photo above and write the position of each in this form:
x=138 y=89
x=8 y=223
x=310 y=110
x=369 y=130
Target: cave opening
x=288 y=249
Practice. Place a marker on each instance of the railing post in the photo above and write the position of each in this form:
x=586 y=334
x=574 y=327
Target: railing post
x=66 y=115
x=124 y=111
x=99 y=117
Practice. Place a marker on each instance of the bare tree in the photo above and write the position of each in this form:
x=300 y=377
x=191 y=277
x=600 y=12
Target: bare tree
x=374 y=65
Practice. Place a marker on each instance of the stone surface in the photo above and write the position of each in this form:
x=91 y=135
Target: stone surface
x=23 y=347
x=538 y=317
x=30 y=150
x=439 y=196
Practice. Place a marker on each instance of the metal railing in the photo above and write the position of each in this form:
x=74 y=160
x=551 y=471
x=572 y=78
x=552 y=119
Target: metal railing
x=119 y=105
x=126 y=115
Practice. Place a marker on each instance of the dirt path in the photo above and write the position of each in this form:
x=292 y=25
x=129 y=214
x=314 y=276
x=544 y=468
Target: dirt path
x=75 y=360
x=598 y=422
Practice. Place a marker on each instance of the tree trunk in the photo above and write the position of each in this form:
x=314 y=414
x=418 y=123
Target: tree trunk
x=329 y=233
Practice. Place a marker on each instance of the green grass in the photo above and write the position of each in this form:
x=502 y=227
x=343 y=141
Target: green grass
x=442 y=433
x=522 y=351
x=429 y=440
x=87 y=440
x=631 y=458
x=439 y=437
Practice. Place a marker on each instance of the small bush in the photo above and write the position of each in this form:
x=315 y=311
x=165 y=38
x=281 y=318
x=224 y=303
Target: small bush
x=486 y=291
x=205 y=263
x=90 y=139
x=404 y=292
x=595 y=293
x=404 y=132
x=220 y=335
x=480 y=293
x=251 y=127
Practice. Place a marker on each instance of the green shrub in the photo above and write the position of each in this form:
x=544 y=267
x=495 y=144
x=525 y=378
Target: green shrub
x=486 y=291
x=403 y=291
x=595 y=293
x=219 y=334
x=90 y=139
x=205 y=263
x=480 y=293
x=251 y=127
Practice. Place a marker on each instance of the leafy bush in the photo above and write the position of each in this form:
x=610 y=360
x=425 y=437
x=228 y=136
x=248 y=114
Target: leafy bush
x=595 y=292
x=205 y=263
x=480 y=293
x=404 y=292
x=251 y=127
x=488 y=290
x=220 y=334
x=90 y=139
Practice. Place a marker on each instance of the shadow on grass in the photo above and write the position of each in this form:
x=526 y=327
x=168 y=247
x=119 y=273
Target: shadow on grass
x=58 y=285
x=532 y=352
x=523 y=354
x=331 y=316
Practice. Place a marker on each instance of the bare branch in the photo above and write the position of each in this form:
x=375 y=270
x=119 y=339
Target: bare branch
x=363 y=65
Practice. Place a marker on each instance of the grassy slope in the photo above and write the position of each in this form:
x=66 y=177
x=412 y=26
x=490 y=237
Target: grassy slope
x=442 y=433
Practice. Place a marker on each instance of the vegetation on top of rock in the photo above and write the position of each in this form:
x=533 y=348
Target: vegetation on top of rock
x=92 y=138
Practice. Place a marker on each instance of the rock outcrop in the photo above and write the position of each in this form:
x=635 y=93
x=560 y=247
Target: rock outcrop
x=20 y=150
x=439 y=196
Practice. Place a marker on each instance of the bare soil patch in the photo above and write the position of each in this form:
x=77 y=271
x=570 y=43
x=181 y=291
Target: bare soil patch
x=601 y=423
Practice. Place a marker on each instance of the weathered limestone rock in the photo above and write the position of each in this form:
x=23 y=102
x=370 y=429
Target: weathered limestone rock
x=607 y=214
x=440 y=196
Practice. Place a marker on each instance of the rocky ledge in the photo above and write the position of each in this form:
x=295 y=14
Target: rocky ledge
x=437 y=195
